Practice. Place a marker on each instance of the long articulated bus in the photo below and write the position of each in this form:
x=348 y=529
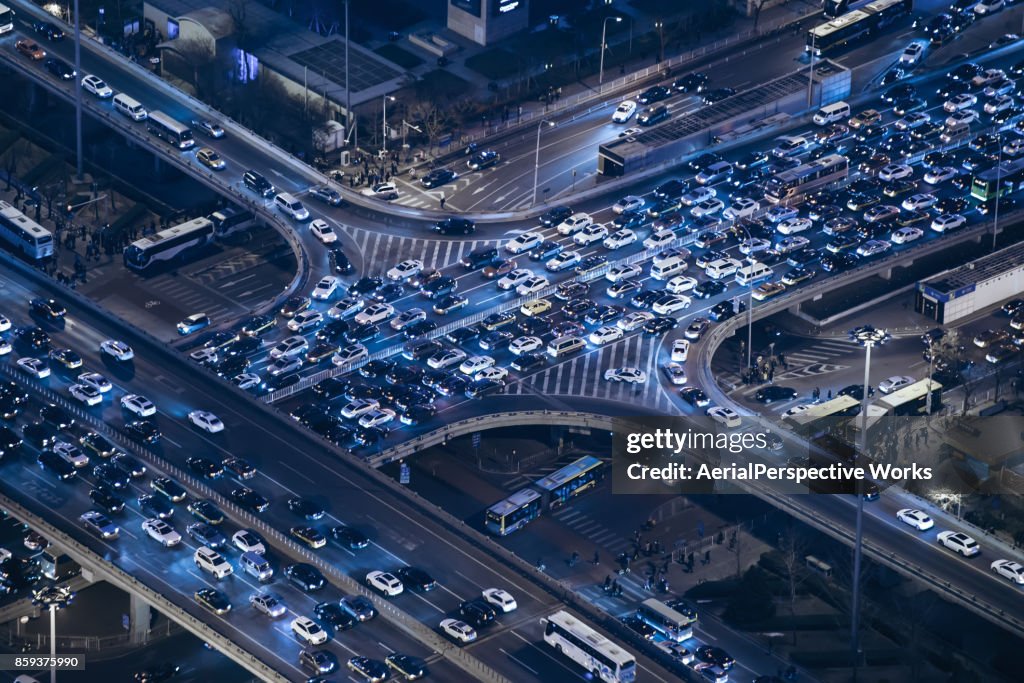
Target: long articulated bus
x=789 y=187
x=817 y=414
x=548 y=493
x=1008 y=176
x=665 y=620
x=602 y=658
x=6 y=19
x=171 y=131
x=912 y=400
x=856 y=24
x=23 y=234
x=168 y=244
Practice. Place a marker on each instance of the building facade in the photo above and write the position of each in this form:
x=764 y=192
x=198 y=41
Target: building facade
x=959 y=292
x=488 y=21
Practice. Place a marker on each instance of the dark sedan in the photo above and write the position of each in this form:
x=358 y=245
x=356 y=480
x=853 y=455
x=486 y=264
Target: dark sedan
x=416 y=579
x=775 y=393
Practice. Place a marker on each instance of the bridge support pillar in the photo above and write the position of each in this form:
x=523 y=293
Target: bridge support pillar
x=886 y=274
x=139 y=618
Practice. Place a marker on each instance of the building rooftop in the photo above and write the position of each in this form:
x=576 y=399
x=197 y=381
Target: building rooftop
x=217 y=21
x=978 y=271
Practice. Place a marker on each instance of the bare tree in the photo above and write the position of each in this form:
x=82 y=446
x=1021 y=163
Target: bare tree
x=431 y=118
x=950 y=357
x=754 y=8
x=197 y=56
x=792 y=554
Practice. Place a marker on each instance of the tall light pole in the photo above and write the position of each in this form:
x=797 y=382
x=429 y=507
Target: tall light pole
x=79 y=161
x=536 y=158
x=384 y=146
x=53 y=598
x=868 y=337
x=810 y=75
x=604 y=44
x=660 y=25
x=750 y=302
x=999 y=191
x=349 y=118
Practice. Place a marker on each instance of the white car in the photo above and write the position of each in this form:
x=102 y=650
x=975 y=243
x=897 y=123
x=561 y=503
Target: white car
x=495 y=374
x=628 y=203
x=619 y=238
x=346 y=308
x=873 y=248
x=161 y=532
x=590 y=234
x=305 y=321
x=386 y=191
x=707 y=207
x=353 y=353
x=912 y=120
x=515 y=278
x=915 y=518
x=961 y=101
x=680 y=284
x=564 y=261
x=986 y=7
x=959 y=542
x=1014 y=147
x=962 y=116
x=405 y=270
x=680 y=350
x=95 y=86
x=906 y=235
x=248 y=542
x=309 y=631
x=1013 y=571
x=206 y=421
x=5 y=323
x=247 y=380
x=780 y=213
x=523 y=345
x=375 y=313
x=624 y=272
x=209 y=560
x=894 y=383
x=919 y=202
x=660 y=239
x=140 y=405
x=999 y=103
x=796 y=410
x=791 y=226
x=96 y=381
x=36 y=367
x=458 y=631
x=446 y=358
x=606 y=335
x=624 y=112
x=323 y=231
x=117 y=350
x=525 y=242
x=754 y=245
x=385 y=582
x=791 y=244
x=675 y=372
x=741 y=207
x=475 y=364
x=376 y=418
x=5 y=347
x=892 y=172
x=86 y=394
x=940 y=175
x=284 y=366
x=626 y=374
x=950 y=221
x=725 y=416
x=204 y=355
x=406 y=318
x=670 y=304
x=500 y=599
x=575 y=223
x=290 y=347
x=359 y=407
x=325 y=289
x=698 y=195
x=634 y=321
x=912 y=54
x=72 y=453
x=790 y=145
x=269 y=604
x=531 y=285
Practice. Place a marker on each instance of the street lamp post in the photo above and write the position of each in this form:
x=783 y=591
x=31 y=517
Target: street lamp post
x=53 y=598
x=536 y=158
x=79 y=161
x=868 y=337
x=750 y=302
x=999 y=179
x=384 y=146
x=660 y=25
x=604 y=37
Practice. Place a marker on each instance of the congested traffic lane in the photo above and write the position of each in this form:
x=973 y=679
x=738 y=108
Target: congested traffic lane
x=288 y=467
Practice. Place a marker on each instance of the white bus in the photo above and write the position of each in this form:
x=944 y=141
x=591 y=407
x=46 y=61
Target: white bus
x=605 y=660
x=665 y=620
x=231 y=219
x=789 y=187
x=6 y=19
x=26 y=236
x=171 y=131
x=167 y=244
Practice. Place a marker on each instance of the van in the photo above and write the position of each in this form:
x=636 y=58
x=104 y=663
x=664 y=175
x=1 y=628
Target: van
x=291 y=206
x=256 y=565
x=955 y=133
x=564 y=346
x=830 y=113
x=715 y=173
x=130 y=108
x=755 y=272
x=258 y=183
x=723 y=267
x=668 y=268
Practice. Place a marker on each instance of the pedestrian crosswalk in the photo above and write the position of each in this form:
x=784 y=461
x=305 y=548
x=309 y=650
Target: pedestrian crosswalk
x=380 y=250
x=819 y=358
x=187 y=295
x=592 y=530
x=583 y=376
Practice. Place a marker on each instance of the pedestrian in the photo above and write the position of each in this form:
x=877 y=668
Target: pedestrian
x=830 y=394
x=597 y=558
x=720 y=538
x=647 y=584
x=707 y=557
x=816 y=394
x=442 y=201
x=574 y=558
